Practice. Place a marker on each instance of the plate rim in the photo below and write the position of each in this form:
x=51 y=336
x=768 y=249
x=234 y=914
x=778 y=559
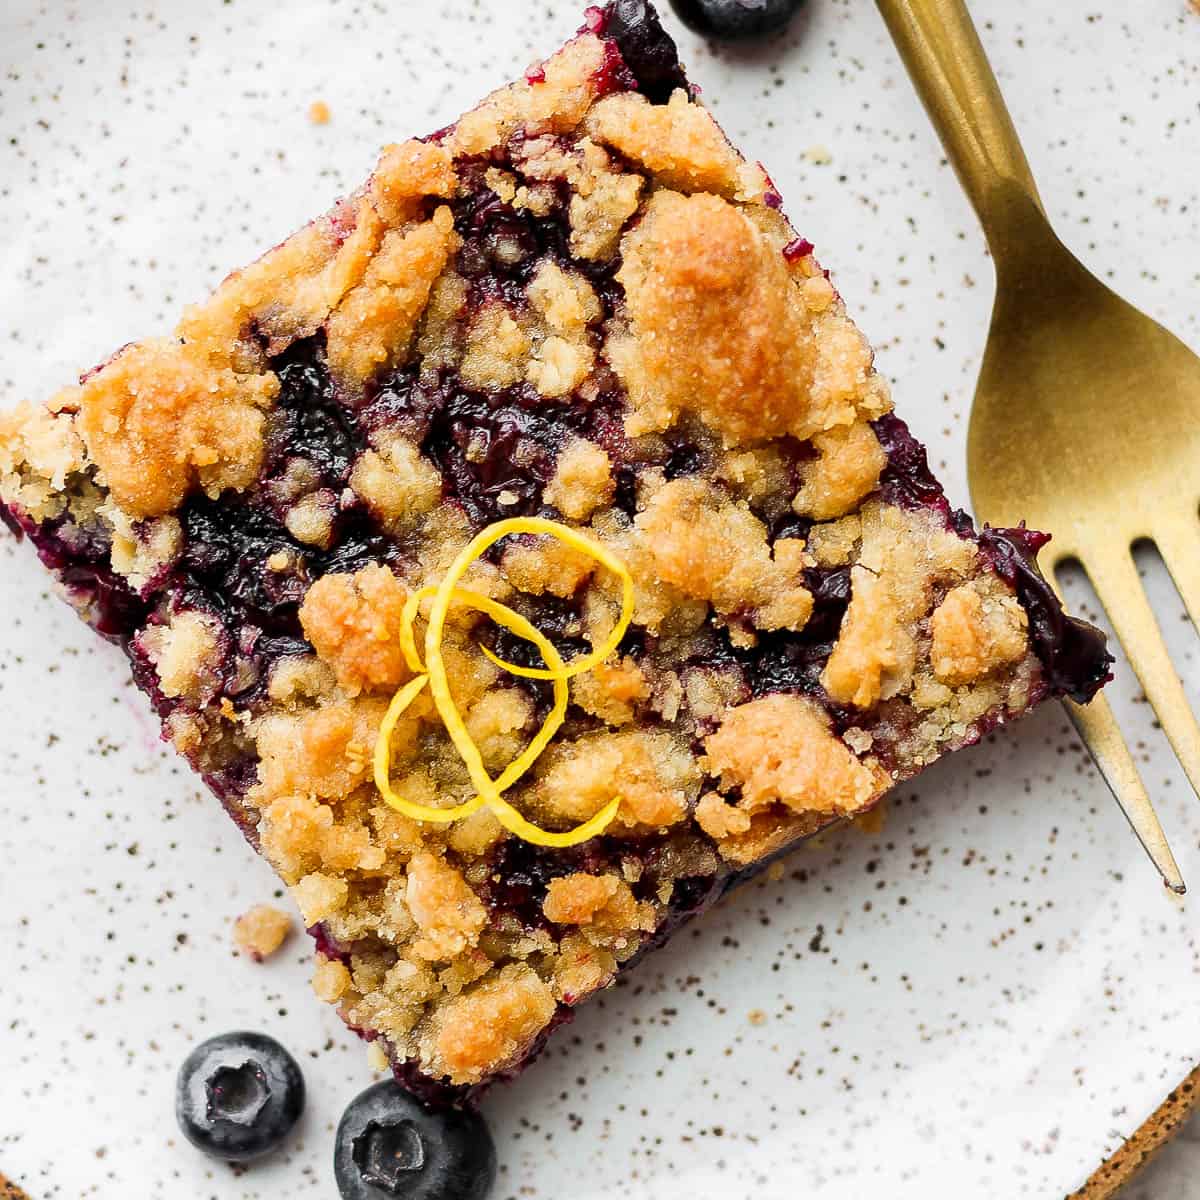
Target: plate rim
x=1136 y=1152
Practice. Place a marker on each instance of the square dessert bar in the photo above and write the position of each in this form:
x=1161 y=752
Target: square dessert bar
x=578 y=304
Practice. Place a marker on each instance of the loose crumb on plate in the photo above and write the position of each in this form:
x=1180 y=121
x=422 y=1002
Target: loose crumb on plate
x=10 y=1191
x=261 y=930
x=318 y=112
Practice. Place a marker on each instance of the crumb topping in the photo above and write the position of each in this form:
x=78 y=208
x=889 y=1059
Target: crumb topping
x=717 y=326
x=447 y=912
x=323 y=753
x=978 y=628
x=655 y=776
x=555 y=105
x=261 y=930
x=836 y=543
x=409 y=172
x=487 y=1025
x=186 y=654
x=780 y=749
x=372 y=328
x=576 y=899
x=498 y=349
x=546 y=566
x=846 y=469
x=612 y=691
x=353 y=622
x=903 y=555
x=159 y=419
x=678 y=143
x=396 y=483
x=716 y=549
x=582 y=481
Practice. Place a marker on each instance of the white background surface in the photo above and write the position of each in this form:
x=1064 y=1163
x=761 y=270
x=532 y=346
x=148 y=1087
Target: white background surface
x=981 y=1001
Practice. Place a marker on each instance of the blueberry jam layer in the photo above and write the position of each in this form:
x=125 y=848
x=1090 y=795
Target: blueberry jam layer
x=646 y=48
x=1074 y=654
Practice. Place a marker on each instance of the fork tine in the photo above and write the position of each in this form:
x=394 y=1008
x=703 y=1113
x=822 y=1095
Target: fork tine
x=1098 y=728
x=1113 y=574
x=1179 y=544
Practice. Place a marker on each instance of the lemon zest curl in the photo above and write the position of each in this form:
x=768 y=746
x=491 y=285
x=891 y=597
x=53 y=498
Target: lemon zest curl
x=431 y=673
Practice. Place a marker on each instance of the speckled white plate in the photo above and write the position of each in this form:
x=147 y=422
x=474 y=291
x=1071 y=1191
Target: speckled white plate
x=980 y=1001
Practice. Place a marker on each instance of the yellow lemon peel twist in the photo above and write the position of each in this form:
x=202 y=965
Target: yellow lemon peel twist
x=431 y=673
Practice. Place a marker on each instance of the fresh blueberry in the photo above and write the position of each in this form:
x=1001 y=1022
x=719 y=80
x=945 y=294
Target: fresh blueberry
x=389 y=1145
x=735 y=19
x=238 y=1096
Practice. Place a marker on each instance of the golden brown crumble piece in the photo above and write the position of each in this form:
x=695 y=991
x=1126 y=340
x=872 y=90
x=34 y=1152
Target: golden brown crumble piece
x=977 y=629
x=655 y=776
x=398 y=485
x=353 y=622
x=612 y=691
x=330 y=980
x=447 y=912
x=160 y=419
x=497 y=723
x=319 y=896
x=408 y=172
x=847 y=467
x=374 y=325
x=555 y=105
x=718 y=818
x=903 y=555
x=718 y=326
x=324 y=752
x=582 y=480
x=716 y=549
x=780 y=749
x=547 y=565
x=497 y=350
x=576 y=899
x=39 y=449
x=489 y=1024
x=261 y=930
x=678 y=143
x=834 y=544
x=186 y=654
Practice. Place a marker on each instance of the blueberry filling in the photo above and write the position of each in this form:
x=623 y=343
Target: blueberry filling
x=646 y=48
x=521 y=873
x=906 y=480
x=1074 y=654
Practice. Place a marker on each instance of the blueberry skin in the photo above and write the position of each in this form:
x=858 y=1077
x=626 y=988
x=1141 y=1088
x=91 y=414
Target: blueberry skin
x=389 y=1145
x=733 y=20
x=238 y=1096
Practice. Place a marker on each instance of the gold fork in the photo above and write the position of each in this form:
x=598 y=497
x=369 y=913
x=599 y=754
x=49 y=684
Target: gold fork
x=1087 y=413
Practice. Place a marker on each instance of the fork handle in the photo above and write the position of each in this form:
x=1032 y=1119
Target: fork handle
x=946 y=60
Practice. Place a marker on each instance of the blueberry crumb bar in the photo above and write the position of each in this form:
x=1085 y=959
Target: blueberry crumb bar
x=578 y=305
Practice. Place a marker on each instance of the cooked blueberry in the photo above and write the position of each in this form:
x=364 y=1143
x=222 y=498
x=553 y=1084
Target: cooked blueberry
x=389 y=1145
x=238 y=1096
x=735 y=19
x=646 y=48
